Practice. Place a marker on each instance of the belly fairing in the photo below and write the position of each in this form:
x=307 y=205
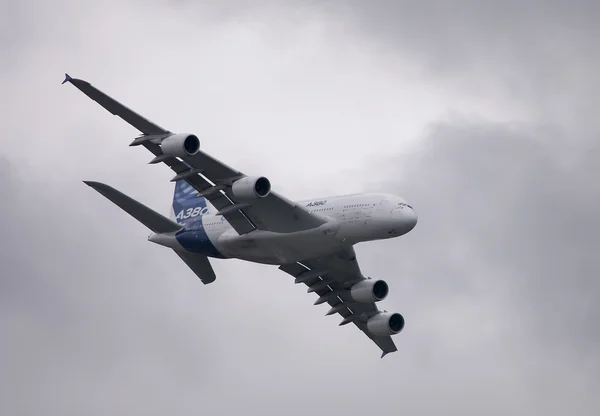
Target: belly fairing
x=281 y=248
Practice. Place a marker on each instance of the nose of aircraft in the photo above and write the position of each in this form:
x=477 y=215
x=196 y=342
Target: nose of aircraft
x=404 y=219
x=410 y=218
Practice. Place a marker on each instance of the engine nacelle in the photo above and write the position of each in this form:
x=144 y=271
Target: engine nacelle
x=251 y=187
x=369 y=290
x=180 y=145
x=385 y=323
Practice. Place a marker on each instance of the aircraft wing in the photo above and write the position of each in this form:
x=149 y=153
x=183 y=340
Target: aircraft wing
x=330 y=277
x=209 y=176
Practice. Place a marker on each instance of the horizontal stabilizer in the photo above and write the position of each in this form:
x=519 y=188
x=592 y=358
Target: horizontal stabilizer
x=156 y=222
x=199 y=264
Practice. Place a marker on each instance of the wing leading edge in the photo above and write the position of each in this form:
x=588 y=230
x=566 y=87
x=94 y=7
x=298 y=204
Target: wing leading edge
x=210 y=177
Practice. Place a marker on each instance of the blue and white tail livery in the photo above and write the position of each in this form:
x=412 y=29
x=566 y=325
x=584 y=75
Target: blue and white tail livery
x=189 y=210
x=219 y=212
x=187 y=204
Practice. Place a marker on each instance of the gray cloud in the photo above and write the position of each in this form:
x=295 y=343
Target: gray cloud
x=523 y=207
x=497 y=282
x=529 y=46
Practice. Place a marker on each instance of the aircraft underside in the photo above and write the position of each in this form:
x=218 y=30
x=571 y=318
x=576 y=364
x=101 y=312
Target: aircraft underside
x=277 y=248
x=220 y=212
x=258 y=246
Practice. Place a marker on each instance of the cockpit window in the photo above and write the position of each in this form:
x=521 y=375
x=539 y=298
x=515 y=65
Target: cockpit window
x=404 y=204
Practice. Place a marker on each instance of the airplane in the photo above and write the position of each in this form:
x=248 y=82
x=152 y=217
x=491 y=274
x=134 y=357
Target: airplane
x=219 y=212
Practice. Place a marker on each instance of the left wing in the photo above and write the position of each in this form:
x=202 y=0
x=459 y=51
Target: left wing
x=210 y=177
x=330 y=277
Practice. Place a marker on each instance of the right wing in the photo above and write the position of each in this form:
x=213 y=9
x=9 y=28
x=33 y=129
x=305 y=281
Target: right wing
x=330 y=277
x=210 y=177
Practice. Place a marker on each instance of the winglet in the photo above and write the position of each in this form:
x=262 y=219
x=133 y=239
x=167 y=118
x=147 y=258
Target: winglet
x=67 y=78
x=385 y=353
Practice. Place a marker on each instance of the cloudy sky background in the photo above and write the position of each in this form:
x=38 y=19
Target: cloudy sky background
x=482 y=114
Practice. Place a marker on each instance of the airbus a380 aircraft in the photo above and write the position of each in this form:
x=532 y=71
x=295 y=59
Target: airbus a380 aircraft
x=222 y=213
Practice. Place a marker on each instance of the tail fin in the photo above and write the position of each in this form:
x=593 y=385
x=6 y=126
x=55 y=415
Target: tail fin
x=187 y=204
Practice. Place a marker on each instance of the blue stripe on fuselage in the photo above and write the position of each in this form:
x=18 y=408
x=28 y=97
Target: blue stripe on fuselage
x=189 y=210
x=194 y=238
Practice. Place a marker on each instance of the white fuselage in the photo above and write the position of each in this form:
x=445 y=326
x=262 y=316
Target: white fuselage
x=350 y=219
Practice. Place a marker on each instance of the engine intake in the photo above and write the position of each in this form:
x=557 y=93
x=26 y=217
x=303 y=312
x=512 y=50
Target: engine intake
x=385 y=323
x=180 y=145
x=251 y=187
x=369 y=290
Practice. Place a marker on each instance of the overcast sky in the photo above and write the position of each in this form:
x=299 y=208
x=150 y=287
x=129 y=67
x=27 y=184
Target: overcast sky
x=483 y=115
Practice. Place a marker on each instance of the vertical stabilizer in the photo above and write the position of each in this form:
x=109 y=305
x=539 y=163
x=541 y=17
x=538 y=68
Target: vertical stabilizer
x=187 y=205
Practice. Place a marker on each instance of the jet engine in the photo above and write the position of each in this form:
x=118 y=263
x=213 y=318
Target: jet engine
x=180 y=145
x=369 y=290
x=385 y=323
x=251 y=187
